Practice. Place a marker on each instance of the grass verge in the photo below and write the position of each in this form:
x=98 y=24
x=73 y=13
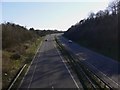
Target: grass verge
x=10 y=67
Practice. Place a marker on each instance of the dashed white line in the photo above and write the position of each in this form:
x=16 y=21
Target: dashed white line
x=67 y=67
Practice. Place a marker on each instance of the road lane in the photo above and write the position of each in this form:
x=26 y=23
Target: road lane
x=48 y=70
x=107 y=68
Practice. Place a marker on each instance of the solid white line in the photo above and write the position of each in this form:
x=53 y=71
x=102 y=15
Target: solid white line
x=66 y=67
x=16 y=77
x=31 y=63
x=32 y=76
x=35 y=66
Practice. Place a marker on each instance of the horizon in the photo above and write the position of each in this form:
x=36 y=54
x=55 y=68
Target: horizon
x=49 y=15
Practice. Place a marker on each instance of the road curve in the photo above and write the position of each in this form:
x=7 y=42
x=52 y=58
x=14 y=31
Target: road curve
x=48 y=69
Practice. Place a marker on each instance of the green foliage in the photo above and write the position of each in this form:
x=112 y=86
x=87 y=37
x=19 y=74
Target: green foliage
x=98 y=32
x=13 y=35
x=11 y=64
x=18 y=48
x=15 y=56
x=45 y=32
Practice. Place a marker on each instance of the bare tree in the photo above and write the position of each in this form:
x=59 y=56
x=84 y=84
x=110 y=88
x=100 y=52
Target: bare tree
x=112 y=7
x=92 y=15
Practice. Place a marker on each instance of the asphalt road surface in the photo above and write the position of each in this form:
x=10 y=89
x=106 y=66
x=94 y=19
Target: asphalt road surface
x=48 y=69
x=105 y=67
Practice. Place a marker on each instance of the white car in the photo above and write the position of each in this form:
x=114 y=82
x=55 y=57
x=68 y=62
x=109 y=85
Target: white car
x=70 y=41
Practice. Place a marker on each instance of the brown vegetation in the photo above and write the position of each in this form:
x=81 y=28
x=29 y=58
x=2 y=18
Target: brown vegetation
x=16 y=41
x=18 y=48
x=13 y=35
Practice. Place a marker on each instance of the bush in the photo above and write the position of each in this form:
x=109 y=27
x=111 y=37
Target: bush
x=14 y=35
x=15 y=56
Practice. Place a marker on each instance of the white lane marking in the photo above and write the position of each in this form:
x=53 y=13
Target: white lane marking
x=32 y=76
x=35 y=66
x=17 y=77
x=67 y=67
x=103 y=74
x=31 y=63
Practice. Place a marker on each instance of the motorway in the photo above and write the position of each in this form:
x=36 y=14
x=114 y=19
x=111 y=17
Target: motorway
x=48 y=69
x=107 y=68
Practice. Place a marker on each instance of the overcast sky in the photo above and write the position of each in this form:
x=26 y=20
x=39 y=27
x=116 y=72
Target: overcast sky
x=49 y=15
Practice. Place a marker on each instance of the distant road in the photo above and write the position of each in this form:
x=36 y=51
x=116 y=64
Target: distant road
x=48 y=69
x=105 y=67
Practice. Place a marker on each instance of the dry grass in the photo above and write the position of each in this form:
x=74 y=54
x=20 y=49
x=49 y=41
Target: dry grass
x=10 y=67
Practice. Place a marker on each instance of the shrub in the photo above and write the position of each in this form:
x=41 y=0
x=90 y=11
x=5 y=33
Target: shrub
x=15 y=56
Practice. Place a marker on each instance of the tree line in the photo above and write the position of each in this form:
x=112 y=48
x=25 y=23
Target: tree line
x=14 y=34
x=45 y=32
x=99 y=31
